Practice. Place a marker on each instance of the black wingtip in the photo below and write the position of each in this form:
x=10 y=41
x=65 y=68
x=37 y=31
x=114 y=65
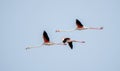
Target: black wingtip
x=45 y=35
x=77 y=20
x=44 y=31
x=70 y=45
x=71 y=48
x=65 y=40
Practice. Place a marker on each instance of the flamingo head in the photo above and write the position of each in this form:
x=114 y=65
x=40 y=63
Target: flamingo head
x=27 y=48
x=57 y=30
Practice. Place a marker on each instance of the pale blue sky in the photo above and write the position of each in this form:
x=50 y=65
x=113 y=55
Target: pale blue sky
x=22 y=23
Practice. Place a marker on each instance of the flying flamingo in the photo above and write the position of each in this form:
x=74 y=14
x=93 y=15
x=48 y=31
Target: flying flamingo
x=46 y=41
x=69 y=41
x=80 y=26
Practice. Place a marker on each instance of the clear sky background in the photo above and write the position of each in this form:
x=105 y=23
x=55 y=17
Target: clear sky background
x=22 y=23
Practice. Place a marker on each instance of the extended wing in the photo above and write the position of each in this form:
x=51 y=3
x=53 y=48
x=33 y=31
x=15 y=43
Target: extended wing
x=45 y=37
x=70 y=44
x=79 y=24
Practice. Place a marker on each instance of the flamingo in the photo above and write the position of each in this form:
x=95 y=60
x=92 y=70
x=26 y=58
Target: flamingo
x=69 y=41
x=80 y=26
x=46 y=41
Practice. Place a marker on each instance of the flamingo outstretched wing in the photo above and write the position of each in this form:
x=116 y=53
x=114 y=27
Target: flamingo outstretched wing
x=79 y=24
x=45 y=37
x=65 y=40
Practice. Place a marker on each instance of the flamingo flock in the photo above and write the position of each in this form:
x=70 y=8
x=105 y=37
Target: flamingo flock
x=79 y=26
